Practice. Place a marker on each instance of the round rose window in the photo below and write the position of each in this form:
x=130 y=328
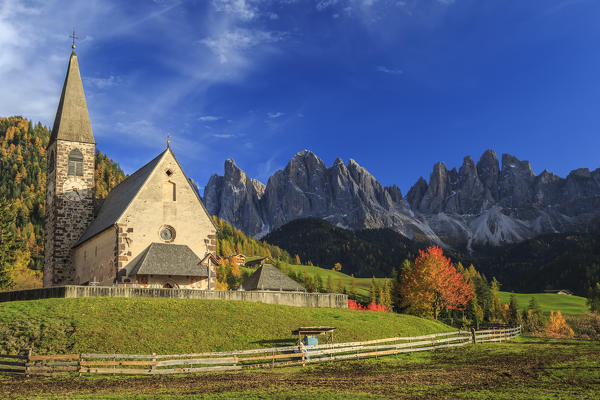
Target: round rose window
x=167 y=233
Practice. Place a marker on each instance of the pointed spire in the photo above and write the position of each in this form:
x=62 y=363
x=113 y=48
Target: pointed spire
x=72 y=120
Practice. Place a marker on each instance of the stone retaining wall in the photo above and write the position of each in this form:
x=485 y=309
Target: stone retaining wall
x=299 y=299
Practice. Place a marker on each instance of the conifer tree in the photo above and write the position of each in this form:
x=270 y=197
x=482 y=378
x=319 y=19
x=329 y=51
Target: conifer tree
x=330 y=286
x=319 y=283
x=341 y=287
x=593 y=298
x=374 y=291
x=497 y=308
x=353 y=288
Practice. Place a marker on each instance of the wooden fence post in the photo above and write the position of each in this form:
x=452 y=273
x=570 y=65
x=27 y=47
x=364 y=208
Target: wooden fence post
x=153 y=362
x=27 y=363
x=79 y=364
x=473 y=335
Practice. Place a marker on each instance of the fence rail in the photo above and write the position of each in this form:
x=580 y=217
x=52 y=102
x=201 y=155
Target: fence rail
x=159 y=364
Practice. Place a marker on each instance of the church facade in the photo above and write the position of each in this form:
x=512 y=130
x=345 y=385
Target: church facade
x=152 y=230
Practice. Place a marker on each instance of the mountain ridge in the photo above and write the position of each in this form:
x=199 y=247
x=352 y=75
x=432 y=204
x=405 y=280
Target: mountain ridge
x=481 y=203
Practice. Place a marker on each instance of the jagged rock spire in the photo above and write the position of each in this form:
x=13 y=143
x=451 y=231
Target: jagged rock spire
x=72 y=121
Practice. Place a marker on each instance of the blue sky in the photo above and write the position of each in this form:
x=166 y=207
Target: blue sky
x=395 y=85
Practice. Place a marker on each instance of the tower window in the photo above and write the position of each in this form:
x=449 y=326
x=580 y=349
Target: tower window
x=75 y=163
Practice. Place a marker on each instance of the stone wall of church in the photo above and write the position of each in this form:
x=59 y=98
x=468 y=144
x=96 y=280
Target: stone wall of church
x=95 y=259
x=166 y=200
x=66 y=218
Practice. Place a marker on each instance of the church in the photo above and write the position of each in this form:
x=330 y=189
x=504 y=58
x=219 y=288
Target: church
x=151 y=231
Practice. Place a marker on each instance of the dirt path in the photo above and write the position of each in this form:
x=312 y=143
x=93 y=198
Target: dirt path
x=537 y=367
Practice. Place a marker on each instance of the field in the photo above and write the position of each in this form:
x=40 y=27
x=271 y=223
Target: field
x=523 y=369
x=568 y=305
x=166 y=326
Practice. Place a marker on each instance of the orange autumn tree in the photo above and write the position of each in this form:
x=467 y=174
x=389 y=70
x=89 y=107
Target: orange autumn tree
x=434 y=284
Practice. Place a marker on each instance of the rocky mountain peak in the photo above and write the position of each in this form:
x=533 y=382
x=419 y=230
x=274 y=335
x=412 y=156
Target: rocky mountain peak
x=479 y=203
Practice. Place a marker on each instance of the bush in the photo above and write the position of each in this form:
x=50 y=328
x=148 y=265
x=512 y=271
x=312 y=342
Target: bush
x=586 y=326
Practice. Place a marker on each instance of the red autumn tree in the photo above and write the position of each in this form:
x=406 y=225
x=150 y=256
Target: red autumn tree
x=434 y=284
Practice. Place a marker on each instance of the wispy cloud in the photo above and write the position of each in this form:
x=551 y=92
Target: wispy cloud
x=274 y=115
x=223 y=135
x=387 y=70
x=242 y=9
x=102 y=83
x=230 y=45
x=209 y=118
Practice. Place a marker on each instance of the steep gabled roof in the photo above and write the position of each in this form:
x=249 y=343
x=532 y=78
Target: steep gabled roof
x=267 y=277
x=72 y=121
x=167 y=259
x=118 y=199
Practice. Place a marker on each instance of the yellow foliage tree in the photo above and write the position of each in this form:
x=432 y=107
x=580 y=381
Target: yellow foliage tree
x=558 y=327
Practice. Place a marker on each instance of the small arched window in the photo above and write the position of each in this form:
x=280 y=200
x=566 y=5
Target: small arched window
x=75 y=163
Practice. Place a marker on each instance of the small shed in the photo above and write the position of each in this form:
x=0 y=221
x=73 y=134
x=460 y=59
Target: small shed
x=267 y=277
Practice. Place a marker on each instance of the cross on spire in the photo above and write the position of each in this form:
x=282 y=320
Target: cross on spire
x=72 y=36
x=168 y=140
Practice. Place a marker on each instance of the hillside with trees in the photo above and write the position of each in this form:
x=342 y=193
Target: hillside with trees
x=557 y=261
x=23 y=197
x=364 y=253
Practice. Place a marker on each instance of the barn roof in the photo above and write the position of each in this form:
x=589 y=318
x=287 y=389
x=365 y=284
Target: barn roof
x=267 y=277
x=167 y=259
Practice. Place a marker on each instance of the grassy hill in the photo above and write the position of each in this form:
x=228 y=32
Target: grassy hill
x=568 y=305
x=362 y=284
x=141 y=325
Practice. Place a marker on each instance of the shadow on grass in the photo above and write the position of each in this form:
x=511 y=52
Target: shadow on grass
x=276 y=342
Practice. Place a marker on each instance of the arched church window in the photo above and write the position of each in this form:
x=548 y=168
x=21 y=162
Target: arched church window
x=169 y=191
x=75 y=163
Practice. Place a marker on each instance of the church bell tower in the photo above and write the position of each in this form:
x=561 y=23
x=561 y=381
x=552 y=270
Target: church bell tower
x=69 y=179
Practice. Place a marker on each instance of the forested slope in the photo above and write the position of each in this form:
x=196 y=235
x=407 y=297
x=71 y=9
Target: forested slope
x=23 y=189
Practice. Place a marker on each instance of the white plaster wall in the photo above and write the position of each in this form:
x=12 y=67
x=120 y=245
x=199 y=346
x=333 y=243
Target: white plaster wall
x=95 y=259
x=152 y=209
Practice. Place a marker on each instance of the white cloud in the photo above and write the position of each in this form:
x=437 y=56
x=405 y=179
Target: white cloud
x=102 y=83
x=223 y=135
x=229 y=45
x=446 y=2
x=209 y=118
x=239 y=8
x=275 y=115
x=392 y=71
x=325 y=4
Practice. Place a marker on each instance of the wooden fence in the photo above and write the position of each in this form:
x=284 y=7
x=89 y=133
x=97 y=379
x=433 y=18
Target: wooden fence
x=157 y=364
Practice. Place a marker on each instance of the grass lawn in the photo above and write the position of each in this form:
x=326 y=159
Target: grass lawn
x=568 y=305
x=362 y=284
x=166 y=326
x=525 y=368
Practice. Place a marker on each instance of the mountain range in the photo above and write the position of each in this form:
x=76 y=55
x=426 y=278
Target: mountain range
x=484 y=203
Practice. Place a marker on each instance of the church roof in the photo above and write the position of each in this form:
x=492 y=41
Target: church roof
x=118 y=199
x=167 y=259
x=72 y=121
x=267 y=277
